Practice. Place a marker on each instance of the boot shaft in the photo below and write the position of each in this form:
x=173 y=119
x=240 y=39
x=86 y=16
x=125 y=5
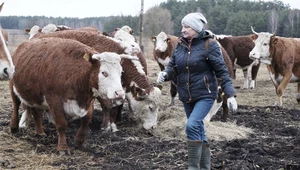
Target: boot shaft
x=205 y=157
x=194 y=154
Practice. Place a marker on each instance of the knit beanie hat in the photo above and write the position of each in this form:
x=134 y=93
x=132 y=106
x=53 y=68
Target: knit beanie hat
x=194 y=20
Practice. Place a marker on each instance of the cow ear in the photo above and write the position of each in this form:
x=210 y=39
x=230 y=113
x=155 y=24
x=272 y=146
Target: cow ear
x=87 y=56
x=157 y=85
x=137 y=93
x=105 y=34
x=254 y=36
x=168 y=40
x=153 y=38
x=27 y=30
x=275 y=40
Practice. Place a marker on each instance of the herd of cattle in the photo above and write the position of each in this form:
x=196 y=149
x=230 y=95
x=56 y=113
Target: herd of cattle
x=60 y=71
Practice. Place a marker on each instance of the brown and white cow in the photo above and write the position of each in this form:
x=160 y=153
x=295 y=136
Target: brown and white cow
x=6 y=64
x=282 y=57
x=163 y=47
x=63 y=76
x=238 y=49
x=133 y=71
x=222 y=99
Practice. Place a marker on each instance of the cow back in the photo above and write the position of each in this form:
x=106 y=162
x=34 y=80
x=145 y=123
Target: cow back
x=50 y=66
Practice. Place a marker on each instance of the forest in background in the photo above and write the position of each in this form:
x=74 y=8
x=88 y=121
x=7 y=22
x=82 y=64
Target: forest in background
x=230 y=17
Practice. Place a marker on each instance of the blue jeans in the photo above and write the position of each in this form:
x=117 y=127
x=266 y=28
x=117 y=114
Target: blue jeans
x=196 y=112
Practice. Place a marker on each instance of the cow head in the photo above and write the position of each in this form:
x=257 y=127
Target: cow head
x=6 y=64
x=109 y=77
x=145 y=105
x=33 y=30
x=262 y=49
x=161 y=42
x=126 y=28
x=127 y=41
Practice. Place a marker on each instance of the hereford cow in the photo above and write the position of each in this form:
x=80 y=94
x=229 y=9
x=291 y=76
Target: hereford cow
x=67 y=78
x=133 y=71
x=162 y=52
x=222 y=99
x=238 y=49
x=282 y=57
x=6 y=64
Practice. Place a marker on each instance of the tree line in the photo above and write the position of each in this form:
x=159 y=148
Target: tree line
x=230 y=17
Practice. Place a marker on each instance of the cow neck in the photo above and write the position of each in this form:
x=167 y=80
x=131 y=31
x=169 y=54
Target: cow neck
x=272 y=53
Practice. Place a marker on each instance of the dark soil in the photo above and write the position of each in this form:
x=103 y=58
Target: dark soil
x=275 y=144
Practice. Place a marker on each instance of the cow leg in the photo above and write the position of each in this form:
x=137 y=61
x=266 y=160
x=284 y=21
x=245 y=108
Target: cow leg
x=282 y=86
x=246 y=73
x=225 y=109
x=114 y=114
x=14 y=122
x=106 y=110
x=234 y=74
x=38 y=120
x=254 y=72
x=213 y=111
x=25 y=118
x=161 y=66
x=81 y=132
x=61 y=125
x=298 y=93
x=173 y=92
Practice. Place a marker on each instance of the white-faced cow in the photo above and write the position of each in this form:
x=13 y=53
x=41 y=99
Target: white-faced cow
x=238 y=49
x=163 y=47
x=63 y=76
x=6 y=64
x=134 y=78
x=282 y=57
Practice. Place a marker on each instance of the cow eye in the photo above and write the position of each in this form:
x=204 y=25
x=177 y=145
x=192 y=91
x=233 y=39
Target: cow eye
x=265 y=44
x=104 y=73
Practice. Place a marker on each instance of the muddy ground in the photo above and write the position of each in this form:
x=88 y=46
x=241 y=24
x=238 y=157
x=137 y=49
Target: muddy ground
x=260 y=136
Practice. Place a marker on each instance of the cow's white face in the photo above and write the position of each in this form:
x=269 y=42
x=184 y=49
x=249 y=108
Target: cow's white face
x=161 y=42
x=146 y=111
x=109 y=78
x=34 y=30
x=261 y=50
x=128 y=41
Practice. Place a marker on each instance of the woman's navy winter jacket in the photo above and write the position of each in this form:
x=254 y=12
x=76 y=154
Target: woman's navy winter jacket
x=197 y=69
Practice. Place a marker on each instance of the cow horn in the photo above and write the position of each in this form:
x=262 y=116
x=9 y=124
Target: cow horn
x=130 y=57
x=274 y=33
x=253 y=31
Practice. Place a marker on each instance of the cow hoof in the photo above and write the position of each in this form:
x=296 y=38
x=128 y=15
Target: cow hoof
x=78 y=143
x=65 y=152
x=14 y=129
x=41 y=134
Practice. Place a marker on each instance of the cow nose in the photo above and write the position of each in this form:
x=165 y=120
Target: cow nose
x=5 y=72
x=120 y=94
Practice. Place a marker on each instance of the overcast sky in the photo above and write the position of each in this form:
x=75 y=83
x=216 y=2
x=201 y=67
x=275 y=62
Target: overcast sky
x=84 y=8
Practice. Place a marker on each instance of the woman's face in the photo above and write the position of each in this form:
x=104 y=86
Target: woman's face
x=188 y=32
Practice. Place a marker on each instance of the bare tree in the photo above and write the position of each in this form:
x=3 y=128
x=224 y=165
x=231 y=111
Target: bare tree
x=273 y=20
x=157 y=19
x=291 y=21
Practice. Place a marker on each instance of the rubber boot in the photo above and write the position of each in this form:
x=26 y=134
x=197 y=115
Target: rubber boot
x=205 y=157
x=194 y=154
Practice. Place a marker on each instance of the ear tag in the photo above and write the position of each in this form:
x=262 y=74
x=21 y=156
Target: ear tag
x=86 y=57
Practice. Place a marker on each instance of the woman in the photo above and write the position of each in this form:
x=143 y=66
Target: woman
x=197 y=68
